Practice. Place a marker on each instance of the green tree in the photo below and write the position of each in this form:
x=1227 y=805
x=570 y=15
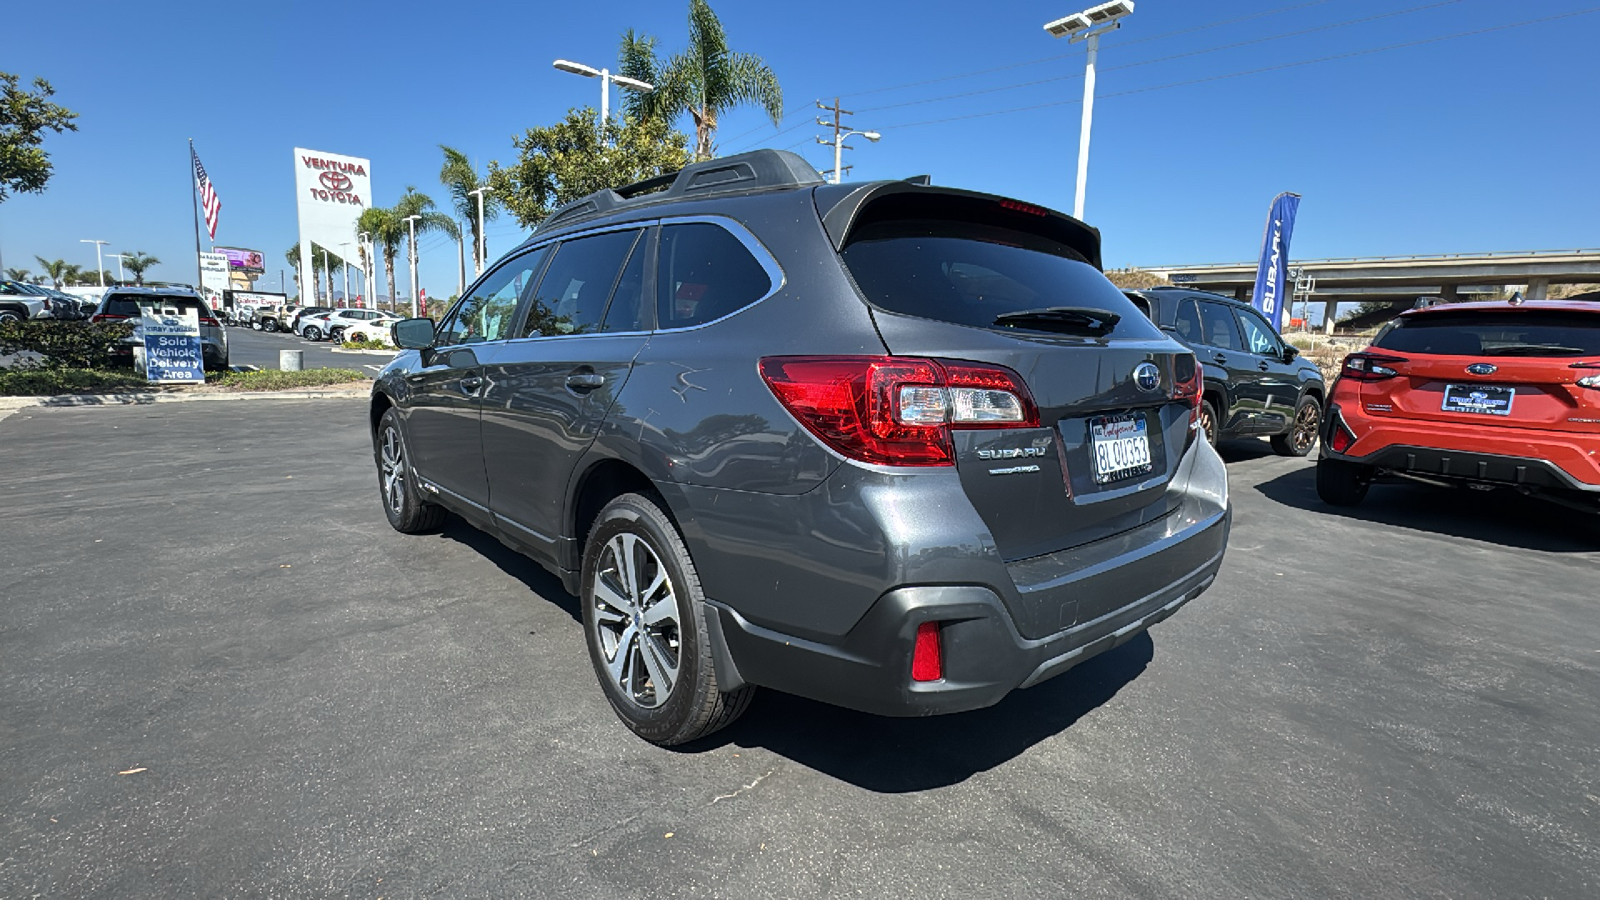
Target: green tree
x=25 y=116
x=330 y=263
x=18 y=274
x=1134 y=278
x=387 y=232
x=705 y=80
x=578 y=156
x=462 y=179
x=54 y=269
x=138 y=262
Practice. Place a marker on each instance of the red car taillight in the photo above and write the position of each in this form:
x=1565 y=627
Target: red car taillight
x=106 y=317
x=897 y=411
x=207 y=320
x=1189 y=390
x=1369 y=366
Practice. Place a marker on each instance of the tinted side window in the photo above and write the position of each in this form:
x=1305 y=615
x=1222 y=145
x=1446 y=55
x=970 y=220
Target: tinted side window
x=572 y=295
x=1187 y=322
x=1258 y=338
x=485 y=314
x=1220 y=328
x=703 y=274
x=627 y=309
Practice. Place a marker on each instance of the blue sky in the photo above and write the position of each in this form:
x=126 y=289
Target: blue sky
x=1476 y=143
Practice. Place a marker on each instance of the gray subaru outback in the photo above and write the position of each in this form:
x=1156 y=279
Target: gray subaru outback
x=892 y=446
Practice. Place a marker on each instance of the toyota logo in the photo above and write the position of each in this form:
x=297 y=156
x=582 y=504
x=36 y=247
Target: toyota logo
x=335 y=181
x=1147 y=376
x=1482 y=369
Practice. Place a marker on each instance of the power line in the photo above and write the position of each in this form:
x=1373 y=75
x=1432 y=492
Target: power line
x=1307 y=62
x=1148 y=62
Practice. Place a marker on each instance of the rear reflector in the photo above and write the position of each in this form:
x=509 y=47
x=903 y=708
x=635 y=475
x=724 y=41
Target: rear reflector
x=927 y=660
x=1342 y=438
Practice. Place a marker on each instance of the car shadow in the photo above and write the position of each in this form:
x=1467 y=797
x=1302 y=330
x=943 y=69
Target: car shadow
x=894 y=756
x=1243 y=449
x=1497 y=517
x=536 y=577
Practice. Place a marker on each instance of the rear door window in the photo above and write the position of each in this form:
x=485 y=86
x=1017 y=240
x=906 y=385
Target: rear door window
x=572 y=295
x=973 y=274
x=129 y=304
x=1526 y=332
x=1258 y=336
x=705 y=273
x=1218 y=326
x=1187 y=322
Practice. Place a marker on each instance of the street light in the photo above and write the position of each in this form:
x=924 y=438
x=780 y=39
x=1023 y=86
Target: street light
x=99 y=263
x=481 y=248
x=839 y=148
x=119 y=258
x=367 y=269
x=346 y=268
x=411 y=251
x=606 y=78
x=1088 y=26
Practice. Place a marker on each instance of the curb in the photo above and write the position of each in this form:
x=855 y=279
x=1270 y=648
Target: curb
x=389 y=353
x=81 y=400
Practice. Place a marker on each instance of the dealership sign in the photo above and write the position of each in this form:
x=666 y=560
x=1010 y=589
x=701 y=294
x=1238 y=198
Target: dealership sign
x=213 y=277
x=172 y=345
x=331 y=192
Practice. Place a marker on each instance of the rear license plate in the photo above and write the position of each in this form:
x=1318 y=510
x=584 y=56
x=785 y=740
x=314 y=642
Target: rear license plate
x=1478 y=398
x=1121 y=447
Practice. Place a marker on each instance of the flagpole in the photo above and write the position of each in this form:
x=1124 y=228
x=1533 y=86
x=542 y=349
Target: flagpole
x=194 y=207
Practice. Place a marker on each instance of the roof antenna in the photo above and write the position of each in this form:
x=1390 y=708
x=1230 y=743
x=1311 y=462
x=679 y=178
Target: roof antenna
x=1516 y=299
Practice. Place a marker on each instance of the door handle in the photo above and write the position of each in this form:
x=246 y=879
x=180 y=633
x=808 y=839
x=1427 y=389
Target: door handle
x=1220 y=359
x=585 y=381
x=471 y=383
x=1263 y=367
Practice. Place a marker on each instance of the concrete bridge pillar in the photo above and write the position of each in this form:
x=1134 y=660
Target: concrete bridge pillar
x=1537 y=288
x=1329 y=308
x=1450 y=293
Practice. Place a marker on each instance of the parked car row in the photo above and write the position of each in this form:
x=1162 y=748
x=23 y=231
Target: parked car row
x=126 y=303
x=339 y=325
x=20 y=300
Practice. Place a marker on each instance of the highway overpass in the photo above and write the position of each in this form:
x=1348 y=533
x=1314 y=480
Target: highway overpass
x=1404 y=278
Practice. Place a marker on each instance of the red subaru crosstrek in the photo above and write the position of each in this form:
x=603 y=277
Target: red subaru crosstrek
x=1486 y=395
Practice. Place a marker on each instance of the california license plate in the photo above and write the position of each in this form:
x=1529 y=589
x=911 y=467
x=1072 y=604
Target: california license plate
x=1483 y=399
x=1121 y=447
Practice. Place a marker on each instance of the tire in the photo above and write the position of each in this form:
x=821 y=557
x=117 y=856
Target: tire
x=632 y=530
x=270 y=325
x=1302 y=433
x=357 y=338
x=1341 y=483
x=336 y=335
x=403 y=506
x=9 y=315
x=1208 y=422
x=312 y=333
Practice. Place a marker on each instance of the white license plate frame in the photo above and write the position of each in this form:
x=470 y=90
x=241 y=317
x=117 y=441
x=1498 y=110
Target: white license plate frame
x=1475 y=405
x=1119 y=447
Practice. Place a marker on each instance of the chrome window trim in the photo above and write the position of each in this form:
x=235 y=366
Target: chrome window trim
x=776 y=278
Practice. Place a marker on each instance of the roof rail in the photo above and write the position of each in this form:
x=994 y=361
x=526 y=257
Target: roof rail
x=742 y=172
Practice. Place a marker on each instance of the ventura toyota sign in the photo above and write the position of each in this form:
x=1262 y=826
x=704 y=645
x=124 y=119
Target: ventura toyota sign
x=331 y=191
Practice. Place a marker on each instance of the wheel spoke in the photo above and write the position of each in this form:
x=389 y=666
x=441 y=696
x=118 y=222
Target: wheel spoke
x=609 y=617
x=662 y=673
x=622 y=555
x=655 y=584
x=608 y=595
x=663 y=610
x=617 y=666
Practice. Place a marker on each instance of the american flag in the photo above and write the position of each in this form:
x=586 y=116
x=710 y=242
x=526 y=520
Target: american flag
x=208 y=195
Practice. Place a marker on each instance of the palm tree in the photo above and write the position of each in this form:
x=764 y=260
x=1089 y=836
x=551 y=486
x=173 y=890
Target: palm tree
x=705 y=80
x=429 y=221
x=54 y=269
x=462 y=179
x=137 y=262
x=387 y=231
x=17 y=275
x=331 y=263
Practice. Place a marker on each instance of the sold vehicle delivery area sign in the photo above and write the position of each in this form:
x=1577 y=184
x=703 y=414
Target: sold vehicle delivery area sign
x=172 y=346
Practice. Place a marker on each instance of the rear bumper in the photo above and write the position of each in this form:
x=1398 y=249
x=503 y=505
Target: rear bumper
x=1151 y=571
x=1521 y=457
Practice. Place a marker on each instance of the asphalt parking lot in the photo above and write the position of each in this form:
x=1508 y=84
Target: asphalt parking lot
x=222 y=674
x=247 y=347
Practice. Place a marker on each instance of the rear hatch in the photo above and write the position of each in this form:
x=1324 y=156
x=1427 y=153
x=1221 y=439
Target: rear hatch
x=1500 y=367
x=962 y=276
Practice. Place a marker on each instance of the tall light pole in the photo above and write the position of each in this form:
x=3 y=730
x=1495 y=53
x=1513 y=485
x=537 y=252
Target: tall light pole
x=346 y=268
x=839 y=148
x=482 y=249
x=1088 y=26
x=99 y=264
x=366 y=268
x=606 y=78
x=411 y=251
x=119 y=258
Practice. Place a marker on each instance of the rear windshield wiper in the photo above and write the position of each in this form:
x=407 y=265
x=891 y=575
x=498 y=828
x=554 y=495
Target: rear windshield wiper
x=1532 y=350
x=1061 y=318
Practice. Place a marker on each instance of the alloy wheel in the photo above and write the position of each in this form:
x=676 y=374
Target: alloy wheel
x=636 y=620
x=392 y=469
x=1306 y=425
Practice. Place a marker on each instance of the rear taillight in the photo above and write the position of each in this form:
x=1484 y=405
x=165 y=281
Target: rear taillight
x=927 y=657
x=1370 y=366
x=1588 y=381
x=106 y=317
x=207 y=320
x=897 y=411
x=1188 y=386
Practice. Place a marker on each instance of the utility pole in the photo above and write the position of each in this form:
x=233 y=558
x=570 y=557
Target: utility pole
x=840 y=134
x=411 y=251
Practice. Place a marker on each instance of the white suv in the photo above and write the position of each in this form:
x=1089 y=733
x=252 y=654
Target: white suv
x=340 y=322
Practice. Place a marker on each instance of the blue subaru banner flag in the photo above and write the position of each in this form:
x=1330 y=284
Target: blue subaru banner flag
x=1273 y=271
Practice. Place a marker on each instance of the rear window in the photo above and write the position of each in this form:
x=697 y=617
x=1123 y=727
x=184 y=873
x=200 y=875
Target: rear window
x=973 y=274
x=1528 y=332
x=128 y=305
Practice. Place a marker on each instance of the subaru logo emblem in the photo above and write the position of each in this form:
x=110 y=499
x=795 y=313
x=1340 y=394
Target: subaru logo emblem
x=1147 y=376
x=1482 y=369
